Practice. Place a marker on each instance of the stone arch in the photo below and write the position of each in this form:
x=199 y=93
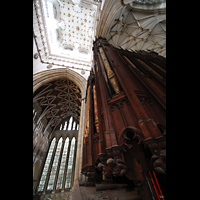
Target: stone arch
x=46 y=76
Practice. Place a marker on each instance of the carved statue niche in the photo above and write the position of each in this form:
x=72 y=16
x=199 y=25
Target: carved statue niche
x=159 y=161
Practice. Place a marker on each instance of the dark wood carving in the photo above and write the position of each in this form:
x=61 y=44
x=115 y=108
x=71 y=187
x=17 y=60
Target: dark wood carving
x=132 y=125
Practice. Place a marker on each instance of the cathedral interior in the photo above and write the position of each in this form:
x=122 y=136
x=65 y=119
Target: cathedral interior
x=99 y=99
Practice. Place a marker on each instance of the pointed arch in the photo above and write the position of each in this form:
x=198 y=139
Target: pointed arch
x=47 y=76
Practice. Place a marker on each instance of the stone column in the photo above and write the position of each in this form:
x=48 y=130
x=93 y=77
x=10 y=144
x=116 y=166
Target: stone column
x=79 y=151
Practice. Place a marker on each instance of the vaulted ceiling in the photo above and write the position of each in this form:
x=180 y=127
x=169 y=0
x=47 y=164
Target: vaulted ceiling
x=58 y=100
x=67 y=29
x=136 y=29
x=64 y=32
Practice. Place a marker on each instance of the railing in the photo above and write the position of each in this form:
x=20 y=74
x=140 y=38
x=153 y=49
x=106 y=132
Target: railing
x=154 y=186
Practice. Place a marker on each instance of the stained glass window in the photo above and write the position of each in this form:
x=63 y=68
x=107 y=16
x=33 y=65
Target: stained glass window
x=55 y=165
x=70 y=164
x=62 y=165
x=59 y=162
x=46 y=166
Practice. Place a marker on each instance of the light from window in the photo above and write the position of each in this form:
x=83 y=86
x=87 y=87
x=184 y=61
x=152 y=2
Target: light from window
x=74 y=125
x=61 y=127
x=70 y=124
x=50 y=9
x=65 y=126
x=54 y=166
x=70 y=164
x=46 y=166
x=62 y=165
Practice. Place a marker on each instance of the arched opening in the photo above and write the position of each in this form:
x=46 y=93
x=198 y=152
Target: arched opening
x=57 y=109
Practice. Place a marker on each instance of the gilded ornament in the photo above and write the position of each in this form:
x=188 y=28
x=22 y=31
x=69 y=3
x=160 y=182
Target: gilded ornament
x=111 y=75
x=36 y=55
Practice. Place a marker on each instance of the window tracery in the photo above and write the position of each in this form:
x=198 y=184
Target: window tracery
x=62 y=165
x=55 y=165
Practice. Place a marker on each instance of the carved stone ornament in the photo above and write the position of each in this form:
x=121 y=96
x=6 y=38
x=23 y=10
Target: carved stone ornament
x=156 y=143
x=159 y=161
x=102 y=157
x=116 y=168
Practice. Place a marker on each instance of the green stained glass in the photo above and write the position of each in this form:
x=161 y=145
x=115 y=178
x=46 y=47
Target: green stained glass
x=46 y=166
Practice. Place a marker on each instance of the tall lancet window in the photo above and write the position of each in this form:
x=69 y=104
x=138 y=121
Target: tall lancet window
x=70 y=164
x=55 y=165
x=62 y=165
x=70 y=124
x=59 y=165
x=61 y=127
x=65 y=126
x=74 y=125
x=46 y=166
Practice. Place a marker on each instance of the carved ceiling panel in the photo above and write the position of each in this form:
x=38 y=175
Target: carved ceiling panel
x=135 y=30
x=58 y=100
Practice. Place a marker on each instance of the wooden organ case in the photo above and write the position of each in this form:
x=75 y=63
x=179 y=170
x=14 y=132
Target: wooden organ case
x=125 y=125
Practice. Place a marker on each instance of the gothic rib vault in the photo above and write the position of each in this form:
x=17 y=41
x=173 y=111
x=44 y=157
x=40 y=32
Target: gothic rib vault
x=58 y=100
x=133 y=30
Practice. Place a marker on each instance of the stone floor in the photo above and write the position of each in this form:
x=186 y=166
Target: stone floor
x=105 y=192
x=90 y=193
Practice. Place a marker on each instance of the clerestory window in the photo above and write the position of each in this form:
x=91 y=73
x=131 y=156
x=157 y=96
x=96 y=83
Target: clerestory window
x=70 y=124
